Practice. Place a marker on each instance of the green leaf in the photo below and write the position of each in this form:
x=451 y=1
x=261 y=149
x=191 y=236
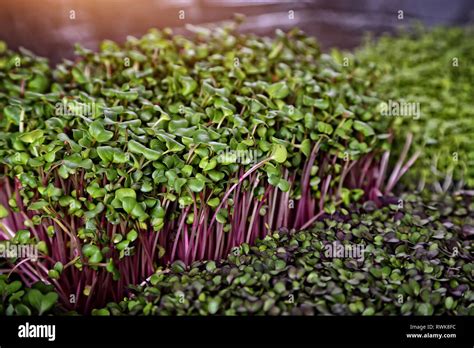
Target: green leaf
x=449 y=302
x=95 y=190
x=368 y=312
x=214 y=202
x=38 y=84
x=120 y=194
x=278 y=90
x=132 y=235
x=210 y=266
x=171 y=144
x=139 y=213
x=58 y=266
x=102 y=312
x=22 y=310
x=32 y=136
x=221 y=216
x=279 y=287
x=38 y=205
x=364 y=128
x=415 y=287
x=213 y=306
x=76 y=161
x=42 y=247
x=306 y=147
x=13 y=113
x=78 y=75
x=110 y=154
x=3 y=211
x=216 y=175
x=35 y=297
x=279 y=153
x=425 y=309
x=280 y=265
x=196 y=185
x=16 y=296
x=99 y=133
x=345 y=196
x=123 y=244
x=284 y=185
x=324 y=127
x=276 y=50
x=312 y=278
x=178 y=266
x=188 y=85
x=322 y=104
x=273 y=179
x=42 y=303
x=128 y=204
x=92 y=252
x=178 y=184
x=376 y=272
x=13 y=287
x=53 y=274
x=149 y=154
x=20 y=158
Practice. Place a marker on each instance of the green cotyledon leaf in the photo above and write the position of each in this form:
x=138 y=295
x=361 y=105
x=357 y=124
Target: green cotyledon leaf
x=140 y=149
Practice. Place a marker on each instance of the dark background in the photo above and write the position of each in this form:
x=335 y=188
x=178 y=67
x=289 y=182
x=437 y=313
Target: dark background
x=45 y=27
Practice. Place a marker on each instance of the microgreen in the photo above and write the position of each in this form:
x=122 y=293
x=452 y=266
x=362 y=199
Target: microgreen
x=434 y=78
x=200 y=144
x=292 y=273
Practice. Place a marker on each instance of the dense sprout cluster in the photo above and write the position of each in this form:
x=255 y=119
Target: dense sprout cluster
x=417 y=259
x=15 y=299
x=433 y=68
x=21 y=72
x=136 y=161
x=158 y=126
x=173 y=147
